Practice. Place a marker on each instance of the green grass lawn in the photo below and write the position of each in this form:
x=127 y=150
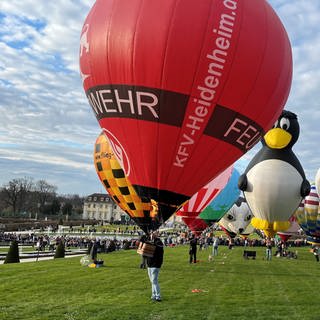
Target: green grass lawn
x=232 y=288
x=21 y=249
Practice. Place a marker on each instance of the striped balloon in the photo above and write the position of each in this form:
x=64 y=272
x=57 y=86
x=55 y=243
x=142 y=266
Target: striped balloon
x=311 y=203
x=299 y=214
x=309 y=220
x=199 y=201
x=223 y=201
x=205 y=195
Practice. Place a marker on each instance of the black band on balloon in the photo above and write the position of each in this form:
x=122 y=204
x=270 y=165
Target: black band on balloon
x=230 y=126
x=143 y=103
x=147 y=224
x=168 y=201
x=136 y=102
x=164 y=197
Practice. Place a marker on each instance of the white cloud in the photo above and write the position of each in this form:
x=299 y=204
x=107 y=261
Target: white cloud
x=45 y=118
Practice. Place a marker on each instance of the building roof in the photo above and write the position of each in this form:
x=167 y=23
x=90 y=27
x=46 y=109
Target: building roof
x=98 y=197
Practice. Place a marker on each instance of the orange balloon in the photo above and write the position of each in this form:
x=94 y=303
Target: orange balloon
x=110 y=173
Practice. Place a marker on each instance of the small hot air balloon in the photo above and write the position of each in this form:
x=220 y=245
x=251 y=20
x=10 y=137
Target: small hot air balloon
x=223 y=201
x=195 y=225
x=199 y=201
x=274 y=182
x=293 y=230
x=120 y=189
x=237 y=220
x=178 y=87
x=309 y=220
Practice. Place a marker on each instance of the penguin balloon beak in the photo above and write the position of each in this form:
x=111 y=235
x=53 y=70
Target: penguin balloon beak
x=277 y=138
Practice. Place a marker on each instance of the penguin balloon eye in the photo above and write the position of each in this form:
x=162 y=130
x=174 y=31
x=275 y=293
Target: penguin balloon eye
x=285 y=123
x=275 y=124
x=230 y=217
x=247 y=218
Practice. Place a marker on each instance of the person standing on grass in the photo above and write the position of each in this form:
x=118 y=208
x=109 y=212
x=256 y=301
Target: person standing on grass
x=193 y=250
x=268 y=249
x=215 y=246
x=154 y=264
x=230 y=243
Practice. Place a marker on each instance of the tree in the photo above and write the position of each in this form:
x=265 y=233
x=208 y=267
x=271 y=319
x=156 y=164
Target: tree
x=67 y=208
x=60 y=251
x=16 y=192
x=53 y=208
x=13 y=253
x=3 y=205
x=75 y=200
x=44 y=193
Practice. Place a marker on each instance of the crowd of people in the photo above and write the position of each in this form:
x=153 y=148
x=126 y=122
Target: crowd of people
x=205 y=240
x=46 y=242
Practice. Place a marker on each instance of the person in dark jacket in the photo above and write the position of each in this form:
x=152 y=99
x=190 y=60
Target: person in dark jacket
x=154 y=264
x=193 y=250
x=143 y=263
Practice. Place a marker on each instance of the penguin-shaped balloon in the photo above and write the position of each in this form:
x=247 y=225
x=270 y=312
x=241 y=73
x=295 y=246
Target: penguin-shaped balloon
x=274 y=182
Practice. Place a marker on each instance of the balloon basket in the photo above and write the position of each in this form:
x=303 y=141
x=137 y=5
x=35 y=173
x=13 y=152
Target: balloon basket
x=146 y=249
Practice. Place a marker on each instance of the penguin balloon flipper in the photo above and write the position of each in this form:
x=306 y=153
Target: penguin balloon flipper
x=305 y=188
x=243 y=182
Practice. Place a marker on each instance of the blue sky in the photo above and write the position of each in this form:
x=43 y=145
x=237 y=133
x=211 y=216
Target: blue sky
x=47 y=129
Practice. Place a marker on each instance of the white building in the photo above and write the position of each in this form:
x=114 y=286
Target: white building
x=101 y=207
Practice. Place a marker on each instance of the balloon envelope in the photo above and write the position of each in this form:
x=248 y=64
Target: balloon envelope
x=274 y=182
x=237 y=219
x=120 y=189
x=275 y=203
x=309 y=220
x=299 y=214
x=177 y=85
x=200 y=200
x=223 y=201
x=195 y=224
x=293 y=229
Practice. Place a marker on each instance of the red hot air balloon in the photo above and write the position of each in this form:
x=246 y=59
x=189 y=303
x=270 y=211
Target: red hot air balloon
x=293 y=230
x=183 y=88
x=195 y=224
x=199 y=201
